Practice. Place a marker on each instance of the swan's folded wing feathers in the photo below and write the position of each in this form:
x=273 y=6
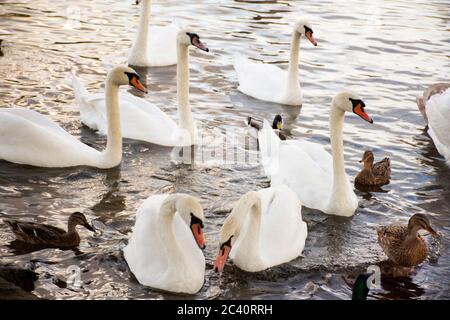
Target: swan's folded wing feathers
x=162 y=45
x=269 y=144
x=260 y=80
x=36 y=118
x=438 y=113
x=28 y=142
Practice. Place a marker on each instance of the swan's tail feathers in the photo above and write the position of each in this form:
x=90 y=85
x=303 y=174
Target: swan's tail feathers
x=239 y=61
x=79 y=90
x=269 y=145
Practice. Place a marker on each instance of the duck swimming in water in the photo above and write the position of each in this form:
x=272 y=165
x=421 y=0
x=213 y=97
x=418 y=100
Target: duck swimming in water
x=403 y=245
x=48 y=236
x=374 y=174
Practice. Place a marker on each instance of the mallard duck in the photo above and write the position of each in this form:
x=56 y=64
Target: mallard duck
x=48 y=236
x=277 y=125
x=403 y=244
x=360 y=289
x=374 y=174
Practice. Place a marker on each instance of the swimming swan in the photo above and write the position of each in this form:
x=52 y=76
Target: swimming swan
x=264 y=229
x=435 y=107
x=141 y=120
x=28 y=137
x=155 y=47
x=163 y=251
x=270 y=83
x=318 y=178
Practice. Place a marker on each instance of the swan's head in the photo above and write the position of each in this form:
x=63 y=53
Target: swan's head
x=226 y=242
x=191 y=212
x=123 y=75
x=351 y=102
x=230 y=230
x=303 y=27
x=187 y=37
x=277 y=122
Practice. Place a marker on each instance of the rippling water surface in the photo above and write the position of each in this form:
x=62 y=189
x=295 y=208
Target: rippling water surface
x=388 y=52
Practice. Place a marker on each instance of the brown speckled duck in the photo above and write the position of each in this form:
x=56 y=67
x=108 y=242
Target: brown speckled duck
x=372 y=174
x=48 y=236
x=403 y=245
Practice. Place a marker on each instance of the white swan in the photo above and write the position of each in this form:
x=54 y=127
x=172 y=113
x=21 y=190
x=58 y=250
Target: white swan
x=318 y=179
x=435 y=107
x=270 y=83
x=28 y=137
x=155 y=47
x=163 y=250
x=264 y=229
x=140 y=119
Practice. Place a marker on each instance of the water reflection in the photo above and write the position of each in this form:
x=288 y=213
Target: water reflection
x=368 y=54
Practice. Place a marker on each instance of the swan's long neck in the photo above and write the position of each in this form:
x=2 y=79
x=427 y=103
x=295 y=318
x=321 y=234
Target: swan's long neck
x=113 y=151
x=166 y=216
x=249 y=252
x=293 y=83
x=184 y=109
x=140 y=44
x=340 y=182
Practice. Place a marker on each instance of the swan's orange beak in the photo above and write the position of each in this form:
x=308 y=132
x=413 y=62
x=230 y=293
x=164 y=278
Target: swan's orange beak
x=310 y=37
x=197 y=231
x=222 y=257
x=359 y=110
x=138 y=85
x=196 y=42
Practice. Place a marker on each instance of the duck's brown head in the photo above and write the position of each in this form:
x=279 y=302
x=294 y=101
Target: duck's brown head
x=367 y=157
x=420 y=222
x=77 y=218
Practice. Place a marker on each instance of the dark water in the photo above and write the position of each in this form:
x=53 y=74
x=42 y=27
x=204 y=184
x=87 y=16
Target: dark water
x=388 y=52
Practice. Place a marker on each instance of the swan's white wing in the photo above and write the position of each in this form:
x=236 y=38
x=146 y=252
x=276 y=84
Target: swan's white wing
x=304 y=167
x=37 y=118
x=283 y=232
x=163 y=45
x=140 y=119
x=318 y=154
x=143 y=121
x=261 y=81
x=304 y=175
x=148 y=258
x=143 y=253
x=438 y=113
x=92 y=112
x=28 y=138
x=269 y=145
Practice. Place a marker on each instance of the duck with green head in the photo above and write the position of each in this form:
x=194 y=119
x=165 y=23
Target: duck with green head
x=360 y=288
x=277 y=125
